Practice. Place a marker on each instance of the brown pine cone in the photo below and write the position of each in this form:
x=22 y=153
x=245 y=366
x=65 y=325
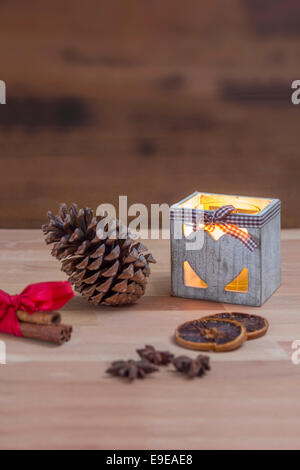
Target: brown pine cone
x=132 y=369
x=108 y=271
x=159 y=358
x=192 y=367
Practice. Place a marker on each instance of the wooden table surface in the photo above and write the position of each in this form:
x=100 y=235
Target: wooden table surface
x=60 y=397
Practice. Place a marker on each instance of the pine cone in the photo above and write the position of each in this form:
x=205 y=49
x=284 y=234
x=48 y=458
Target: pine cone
x=108 y=271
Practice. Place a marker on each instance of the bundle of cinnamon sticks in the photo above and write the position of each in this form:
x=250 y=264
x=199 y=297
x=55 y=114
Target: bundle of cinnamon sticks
x=44 y=326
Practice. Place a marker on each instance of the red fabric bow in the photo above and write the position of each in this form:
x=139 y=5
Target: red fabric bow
x=42 y=297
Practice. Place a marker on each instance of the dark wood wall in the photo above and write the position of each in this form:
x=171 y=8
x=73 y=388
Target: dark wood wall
x=153 y=99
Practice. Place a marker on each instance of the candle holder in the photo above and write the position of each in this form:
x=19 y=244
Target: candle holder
x=226 y=248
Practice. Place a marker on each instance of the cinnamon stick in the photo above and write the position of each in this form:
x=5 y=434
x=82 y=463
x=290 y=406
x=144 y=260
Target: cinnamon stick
x=57 y=334
x=40 y=318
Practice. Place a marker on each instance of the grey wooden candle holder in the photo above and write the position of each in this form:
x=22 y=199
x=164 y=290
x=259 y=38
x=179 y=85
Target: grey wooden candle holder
x=217 y=263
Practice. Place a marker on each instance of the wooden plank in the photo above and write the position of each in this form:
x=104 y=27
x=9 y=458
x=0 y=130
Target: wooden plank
x=71 y=407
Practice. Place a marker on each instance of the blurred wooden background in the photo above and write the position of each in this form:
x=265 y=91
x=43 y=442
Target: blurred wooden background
x=153 y=99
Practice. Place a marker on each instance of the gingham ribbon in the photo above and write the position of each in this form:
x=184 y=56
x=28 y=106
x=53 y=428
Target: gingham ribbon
x=225 y=218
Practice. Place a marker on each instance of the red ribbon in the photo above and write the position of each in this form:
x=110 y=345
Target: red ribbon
x=42 y=297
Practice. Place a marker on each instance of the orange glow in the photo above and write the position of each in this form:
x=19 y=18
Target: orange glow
x=191 y=279
x=240 y=283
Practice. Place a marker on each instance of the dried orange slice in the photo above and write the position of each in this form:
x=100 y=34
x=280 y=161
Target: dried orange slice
x=255 y=325
x=211 y=334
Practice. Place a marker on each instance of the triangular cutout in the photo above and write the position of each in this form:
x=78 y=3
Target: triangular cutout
x=191 y=279
x=240 y=283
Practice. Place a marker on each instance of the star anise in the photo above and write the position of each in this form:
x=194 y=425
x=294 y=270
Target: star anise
x=192 y=367
x=159 y=358
x=132 y=369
